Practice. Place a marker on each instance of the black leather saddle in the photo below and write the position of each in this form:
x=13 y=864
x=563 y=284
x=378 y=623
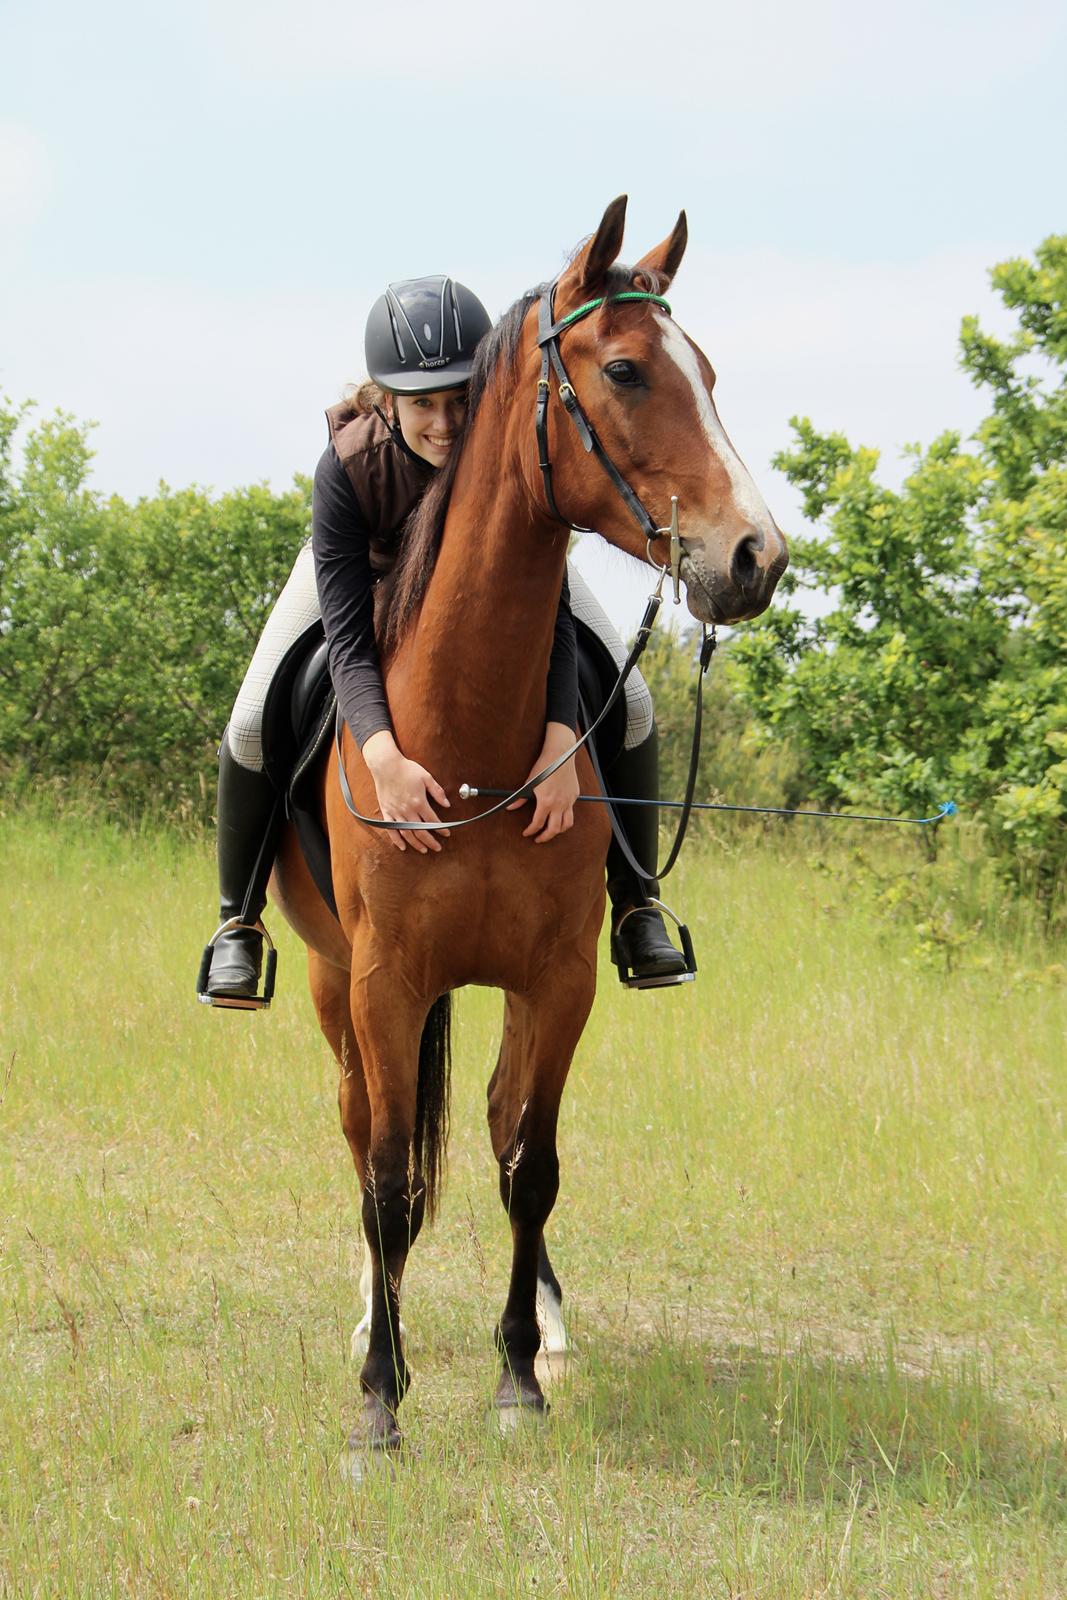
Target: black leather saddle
x=298 y=721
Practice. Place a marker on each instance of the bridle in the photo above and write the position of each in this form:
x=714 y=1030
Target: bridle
x=548 y=337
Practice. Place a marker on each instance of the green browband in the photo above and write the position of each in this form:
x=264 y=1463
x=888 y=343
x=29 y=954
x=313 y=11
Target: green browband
x=611 y=300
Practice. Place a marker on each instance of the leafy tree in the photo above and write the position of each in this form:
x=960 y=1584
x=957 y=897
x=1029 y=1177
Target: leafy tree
x=878 y=692
x=208 y=572
x=1022 y=735
x=63 y=626
x=124 y=629
x=940 y=669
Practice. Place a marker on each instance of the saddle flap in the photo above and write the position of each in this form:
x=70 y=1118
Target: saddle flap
x=291 y=714
x=298 y=719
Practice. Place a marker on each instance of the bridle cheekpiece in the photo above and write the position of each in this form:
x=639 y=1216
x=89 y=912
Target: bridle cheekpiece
x=548 y=336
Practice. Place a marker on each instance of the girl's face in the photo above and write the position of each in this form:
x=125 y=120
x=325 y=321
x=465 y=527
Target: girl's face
x=430 y=423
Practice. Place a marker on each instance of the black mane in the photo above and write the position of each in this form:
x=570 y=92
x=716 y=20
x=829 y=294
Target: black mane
x=403 y=591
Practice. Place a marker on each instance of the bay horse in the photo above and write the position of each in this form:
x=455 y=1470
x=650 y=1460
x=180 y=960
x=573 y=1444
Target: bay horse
x=465 y=647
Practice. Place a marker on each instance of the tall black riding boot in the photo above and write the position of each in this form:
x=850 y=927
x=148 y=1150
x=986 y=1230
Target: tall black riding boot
x=249 y=821
x=639 y=938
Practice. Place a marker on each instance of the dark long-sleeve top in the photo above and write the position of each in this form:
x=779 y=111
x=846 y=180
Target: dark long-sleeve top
x=366 y=485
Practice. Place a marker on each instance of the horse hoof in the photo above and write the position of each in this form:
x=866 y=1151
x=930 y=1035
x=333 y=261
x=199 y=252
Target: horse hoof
x=360 y=1462
x=374 y=1445
x=518 y=1399
x=519 y=1418
x=511 y=1420
x=378 y=1431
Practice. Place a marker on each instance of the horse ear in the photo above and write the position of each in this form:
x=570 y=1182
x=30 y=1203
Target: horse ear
x=666 y=258
x=589 y=266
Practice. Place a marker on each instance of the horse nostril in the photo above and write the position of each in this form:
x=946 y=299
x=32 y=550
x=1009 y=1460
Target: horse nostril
x=744 y=564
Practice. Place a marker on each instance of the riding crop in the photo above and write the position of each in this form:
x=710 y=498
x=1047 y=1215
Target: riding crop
x=947 y=809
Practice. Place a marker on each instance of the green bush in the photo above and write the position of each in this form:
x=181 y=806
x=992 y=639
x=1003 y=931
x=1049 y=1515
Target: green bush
x=125 y=629
x=940 y=670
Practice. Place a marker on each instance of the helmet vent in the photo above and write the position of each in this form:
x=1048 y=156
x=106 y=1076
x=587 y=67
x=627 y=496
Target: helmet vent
x=397 y=337
x=427 y=330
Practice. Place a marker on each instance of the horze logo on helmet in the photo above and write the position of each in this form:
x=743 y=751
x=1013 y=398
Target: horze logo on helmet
x=436 y=361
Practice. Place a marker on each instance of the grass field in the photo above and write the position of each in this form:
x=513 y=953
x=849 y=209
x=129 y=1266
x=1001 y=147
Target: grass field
x=810 y=1231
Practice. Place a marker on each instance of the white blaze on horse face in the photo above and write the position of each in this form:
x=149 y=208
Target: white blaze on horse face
x=747 y=498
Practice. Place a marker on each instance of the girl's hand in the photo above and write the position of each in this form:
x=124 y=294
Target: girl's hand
x=404 y=792
x=554 y=798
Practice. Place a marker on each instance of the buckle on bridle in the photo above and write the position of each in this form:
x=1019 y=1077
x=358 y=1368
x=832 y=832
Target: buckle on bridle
x=675 y=566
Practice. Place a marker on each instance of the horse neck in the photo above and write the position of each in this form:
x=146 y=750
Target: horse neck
x=470 y=676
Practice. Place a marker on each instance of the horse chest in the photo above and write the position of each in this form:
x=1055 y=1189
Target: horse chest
x=485 y=911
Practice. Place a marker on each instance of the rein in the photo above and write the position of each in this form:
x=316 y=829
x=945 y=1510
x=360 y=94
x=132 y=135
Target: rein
x=525 y=790
x=708 y=642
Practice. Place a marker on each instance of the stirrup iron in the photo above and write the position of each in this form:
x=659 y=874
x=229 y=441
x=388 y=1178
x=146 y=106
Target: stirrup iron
x=258 y=1002
x=668 y=981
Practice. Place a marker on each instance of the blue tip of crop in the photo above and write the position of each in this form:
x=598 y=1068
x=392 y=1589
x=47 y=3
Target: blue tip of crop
x=949 y=809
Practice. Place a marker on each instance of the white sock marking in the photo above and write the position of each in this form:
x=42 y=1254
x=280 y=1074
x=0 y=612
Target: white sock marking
x=360 y=1340
x=550 y=1321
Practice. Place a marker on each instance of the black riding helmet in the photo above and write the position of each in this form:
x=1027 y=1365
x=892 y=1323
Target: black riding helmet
x=421 y=335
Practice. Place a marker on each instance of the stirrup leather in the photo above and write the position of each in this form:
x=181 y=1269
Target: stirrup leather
x=258 y=1002
x=668 y=981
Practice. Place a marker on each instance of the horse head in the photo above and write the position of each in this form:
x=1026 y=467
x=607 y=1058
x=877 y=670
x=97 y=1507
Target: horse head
x=646 y=391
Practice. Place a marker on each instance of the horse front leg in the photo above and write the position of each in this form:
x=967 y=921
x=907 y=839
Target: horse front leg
x=554 y=1341
x=330 y=987
x=388 y=1022
x=541 y=1032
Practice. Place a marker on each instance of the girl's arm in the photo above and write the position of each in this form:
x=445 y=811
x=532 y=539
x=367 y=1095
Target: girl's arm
x=554 y=799
x=562 y=686
x=404 y=790
x=341 y=546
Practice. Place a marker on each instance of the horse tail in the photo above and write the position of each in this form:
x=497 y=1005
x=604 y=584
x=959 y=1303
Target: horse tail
x=432 y=1097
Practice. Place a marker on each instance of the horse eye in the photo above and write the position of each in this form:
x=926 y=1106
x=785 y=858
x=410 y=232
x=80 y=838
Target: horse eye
x=624 y=373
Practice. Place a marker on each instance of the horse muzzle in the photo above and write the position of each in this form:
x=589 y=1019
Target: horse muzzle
x=741 y=586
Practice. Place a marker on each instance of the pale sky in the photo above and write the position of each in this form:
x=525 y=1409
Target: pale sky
x=199 y=203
